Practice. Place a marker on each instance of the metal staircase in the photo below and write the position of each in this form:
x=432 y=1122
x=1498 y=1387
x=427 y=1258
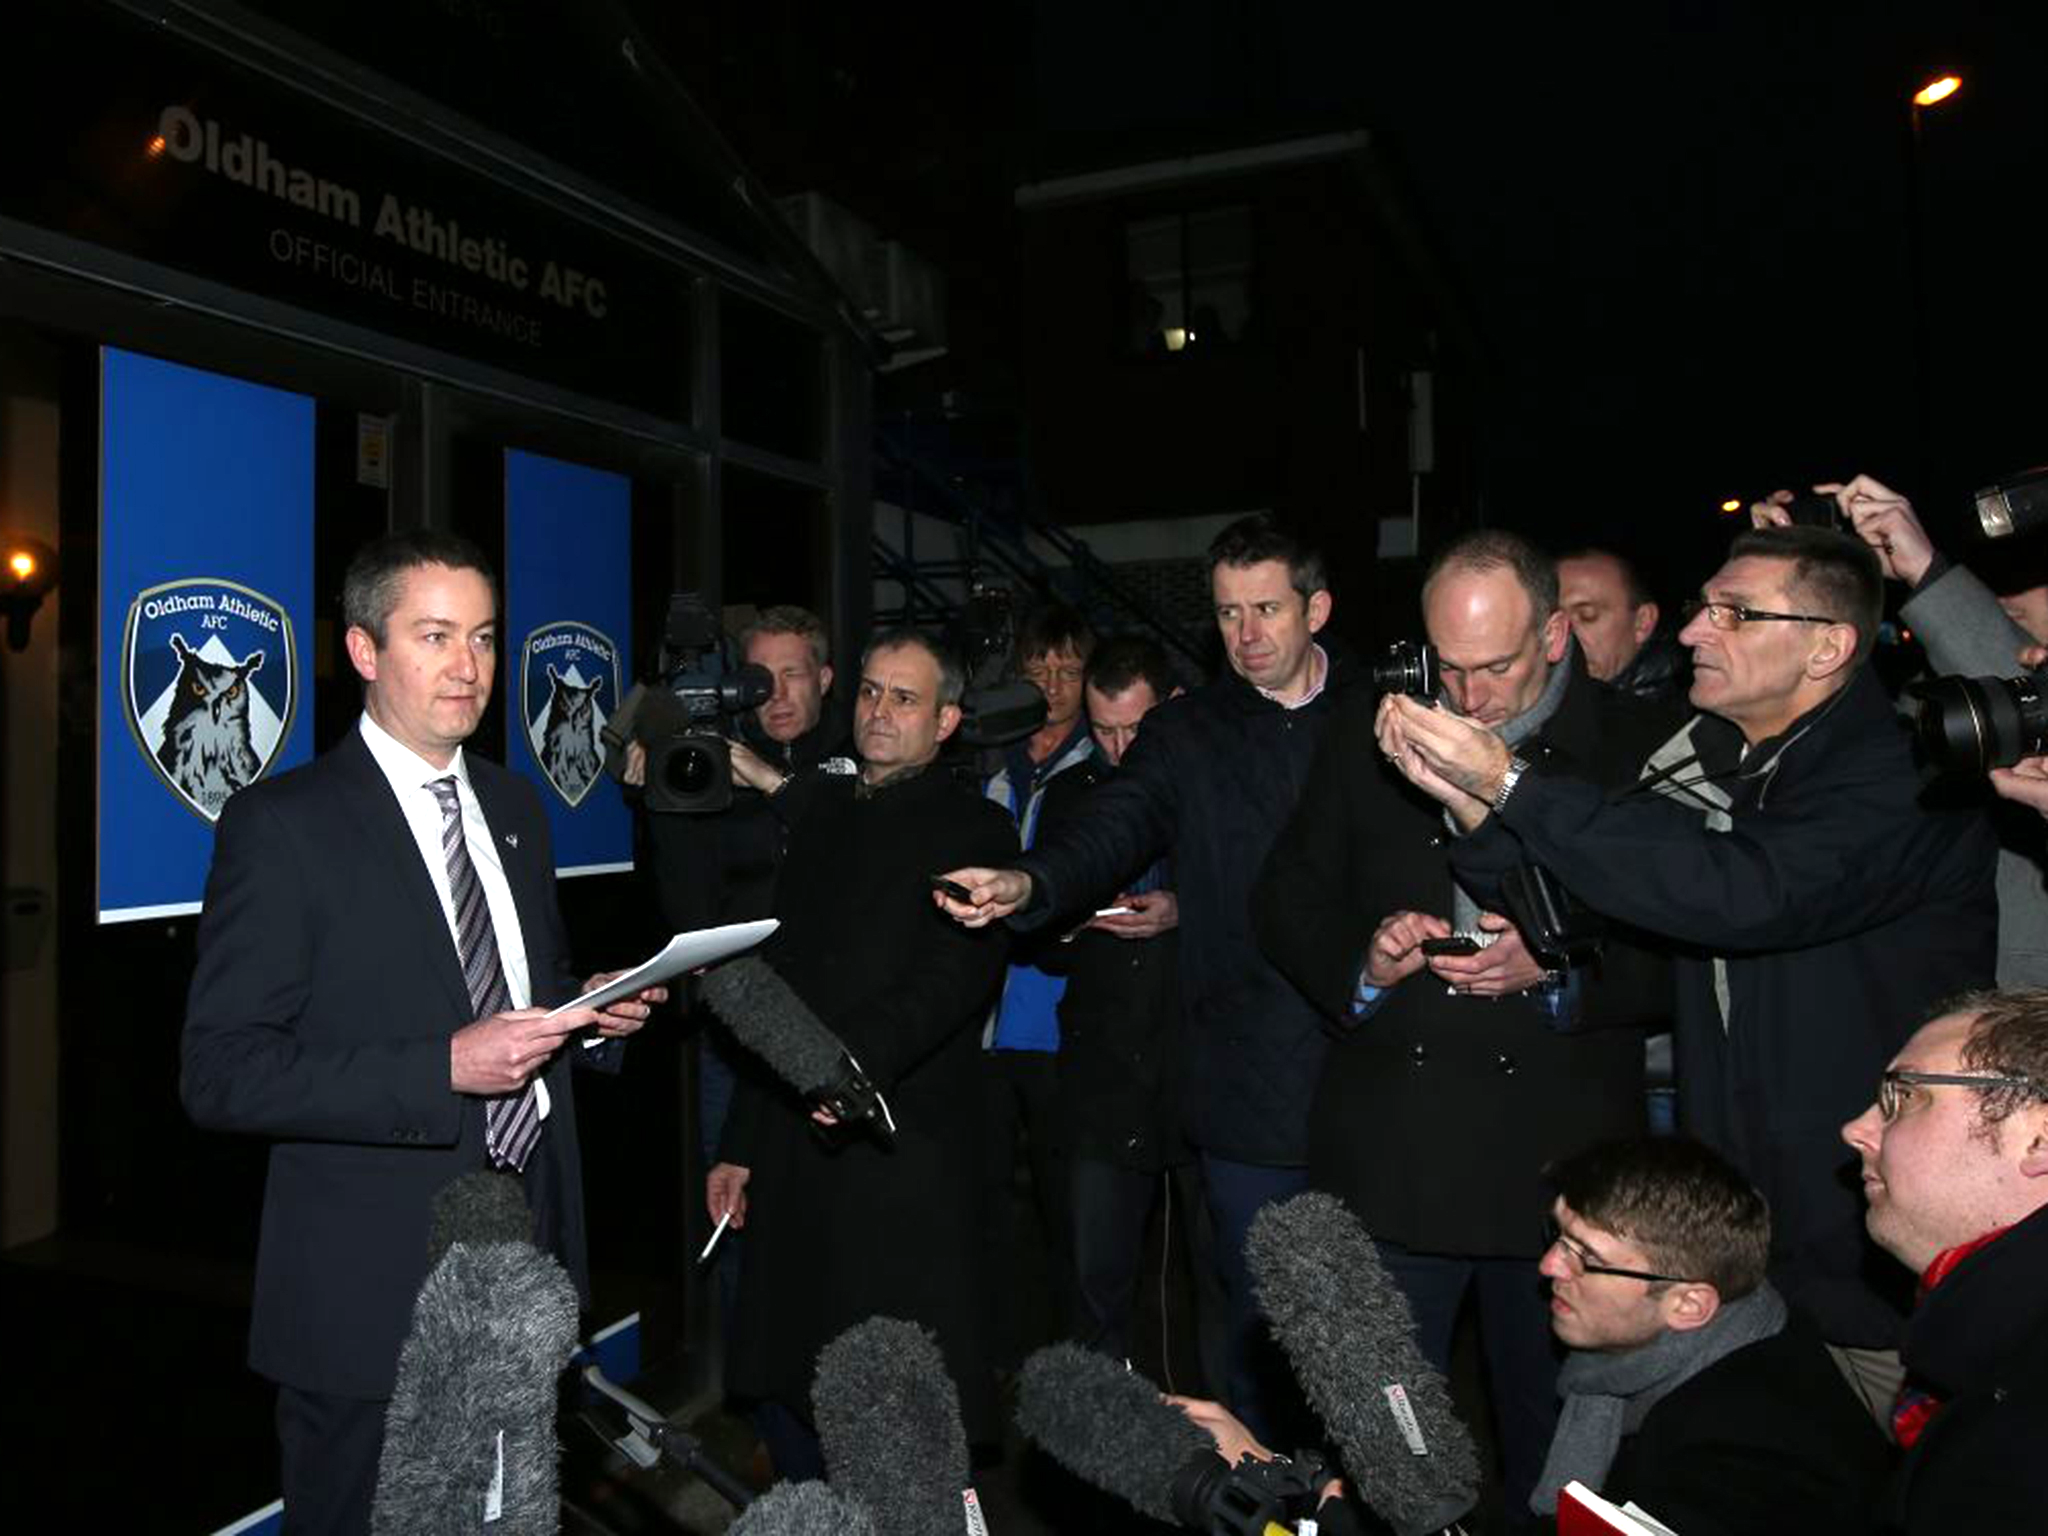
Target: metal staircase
x=990 y=540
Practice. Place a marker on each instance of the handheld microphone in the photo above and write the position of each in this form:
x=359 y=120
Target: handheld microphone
x=478 y=1207
x=803 y=1509
x=1106 y=1424
x=765 y=1014
x=1349 y=1333
x=888 y=1418
x=470 y=1433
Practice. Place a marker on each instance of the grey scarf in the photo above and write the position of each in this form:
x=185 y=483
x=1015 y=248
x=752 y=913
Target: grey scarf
x=1514 y=730
x=1608 y=1395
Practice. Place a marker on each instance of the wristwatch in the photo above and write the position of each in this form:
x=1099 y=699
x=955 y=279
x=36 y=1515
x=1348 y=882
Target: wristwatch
x=1517 y=766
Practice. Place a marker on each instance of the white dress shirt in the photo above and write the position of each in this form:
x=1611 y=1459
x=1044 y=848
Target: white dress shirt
x=409 y=775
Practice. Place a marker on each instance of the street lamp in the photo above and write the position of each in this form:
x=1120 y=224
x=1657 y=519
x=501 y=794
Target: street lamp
x=28 y=573
x=1935 y=91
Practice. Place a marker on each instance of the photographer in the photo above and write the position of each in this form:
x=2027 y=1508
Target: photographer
x=1457 y=1077
x=720 y=867
x=2026 y=781
x=1966 y=630
x=1782 y=838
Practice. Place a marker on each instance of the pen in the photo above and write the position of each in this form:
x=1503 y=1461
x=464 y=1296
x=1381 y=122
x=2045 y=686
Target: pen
x=716 y=1233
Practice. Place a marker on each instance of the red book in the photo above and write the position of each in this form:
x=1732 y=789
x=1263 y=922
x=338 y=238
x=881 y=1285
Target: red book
x=1582 y=1512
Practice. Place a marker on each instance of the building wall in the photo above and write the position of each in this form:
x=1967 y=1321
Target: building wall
x=1307 y=416
x=28 y=1115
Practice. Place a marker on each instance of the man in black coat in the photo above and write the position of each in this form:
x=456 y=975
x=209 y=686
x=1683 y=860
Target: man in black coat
x=331 y=1010
x=1458 y=1077
x=1954 y=1158
x=1783 y=837
x=840 y=1225
x=1210 y=782
x=720 y=867
x=1691 y=1390
x=1120 y=1038
x=1616 y=621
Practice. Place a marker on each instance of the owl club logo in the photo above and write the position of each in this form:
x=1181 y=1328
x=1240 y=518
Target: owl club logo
x=209 y=684
x=568 y=687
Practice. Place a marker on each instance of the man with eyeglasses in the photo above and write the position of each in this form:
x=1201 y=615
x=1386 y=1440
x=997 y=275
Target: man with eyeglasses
x=1954 y=1158
x=1690 y=1388
x=1972 y=627
x=1822 y=903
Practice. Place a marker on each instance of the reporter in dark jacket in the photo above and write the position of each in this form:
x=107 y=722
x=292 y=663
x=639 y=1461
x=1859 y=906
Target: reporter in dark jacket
x=1211 y=782
x=1528 y=1058
x=1122 y=1043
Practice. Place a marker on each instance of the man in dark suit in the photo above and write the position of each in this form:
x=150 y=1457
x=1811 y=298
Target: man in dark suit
x=361 y=912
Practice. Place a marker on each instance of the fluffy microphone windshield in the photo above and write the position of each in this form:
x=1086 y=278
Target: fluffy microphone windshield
x=479 y=1207
x=1351 y=1338
x=1106 y=1425
x=803 y=1509
x=767 y=1016
x=472 y=1419
x=888 y=1420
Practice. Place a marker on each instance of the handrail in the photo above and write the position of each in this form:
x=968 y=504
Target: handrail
x=1005 y=542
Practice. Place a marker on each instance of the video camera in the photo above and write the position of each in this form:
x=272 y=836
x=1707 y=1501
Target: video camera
x=680 y=720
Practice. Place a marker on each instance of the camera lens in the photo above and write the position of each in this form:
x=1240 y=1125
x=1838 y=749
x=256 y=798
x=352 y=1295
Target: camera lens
x=688 y=771
x=1409 y=667
x=1974 y=724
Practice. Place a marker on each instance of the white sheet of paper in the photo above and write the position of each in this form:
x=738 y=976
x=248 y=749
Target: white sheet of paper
x=684 y=952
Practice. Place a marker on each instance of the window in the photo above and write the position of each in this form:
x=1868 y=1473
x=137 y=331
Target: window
x=1187 y=281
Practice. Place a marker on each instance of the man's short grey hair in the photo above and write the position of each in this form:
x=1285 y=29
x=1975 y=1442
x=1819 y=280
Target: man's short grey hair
x=952 y=670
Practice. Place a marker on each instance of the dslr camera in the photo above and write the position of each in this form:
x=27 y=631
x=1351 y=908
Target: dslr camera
x=681 y=720
x=1975 y=724
x=1408 y=667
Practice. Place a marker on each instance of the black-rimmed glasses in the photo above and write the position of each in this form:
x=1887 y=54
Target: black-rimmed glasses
x=1731 y=616
x=1888 y=1086
x=1584 y=1261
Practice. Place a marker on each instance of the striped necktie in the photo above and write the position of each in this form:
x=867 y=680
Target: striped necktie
x=512 y=1120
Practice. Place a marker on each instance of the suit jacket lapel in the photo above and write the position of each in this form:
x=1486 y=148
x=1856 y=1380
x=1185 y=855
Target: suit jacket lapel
x=385 y=832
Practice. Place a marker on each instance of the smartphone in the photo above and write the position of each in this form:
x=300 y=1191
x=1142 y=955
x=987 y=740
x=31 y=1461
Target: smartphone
x=1814 y=511
x=952 y=888
x=1114 y=911
x=1456 y=944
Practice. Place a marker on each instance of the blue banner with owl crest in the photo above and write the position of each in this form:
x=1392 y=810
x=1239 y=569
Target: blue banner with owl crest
x=568 y=612
x=206 y=592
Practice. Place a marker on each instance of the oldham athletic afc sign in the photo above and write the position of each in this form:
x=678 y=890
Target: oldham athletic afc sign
x=569 y=604
x=569 y=686
x=205 y=598
x=209 y=685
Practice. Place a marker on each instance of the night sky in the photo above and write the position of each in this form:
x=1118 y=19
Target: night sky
x=1681 y=228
